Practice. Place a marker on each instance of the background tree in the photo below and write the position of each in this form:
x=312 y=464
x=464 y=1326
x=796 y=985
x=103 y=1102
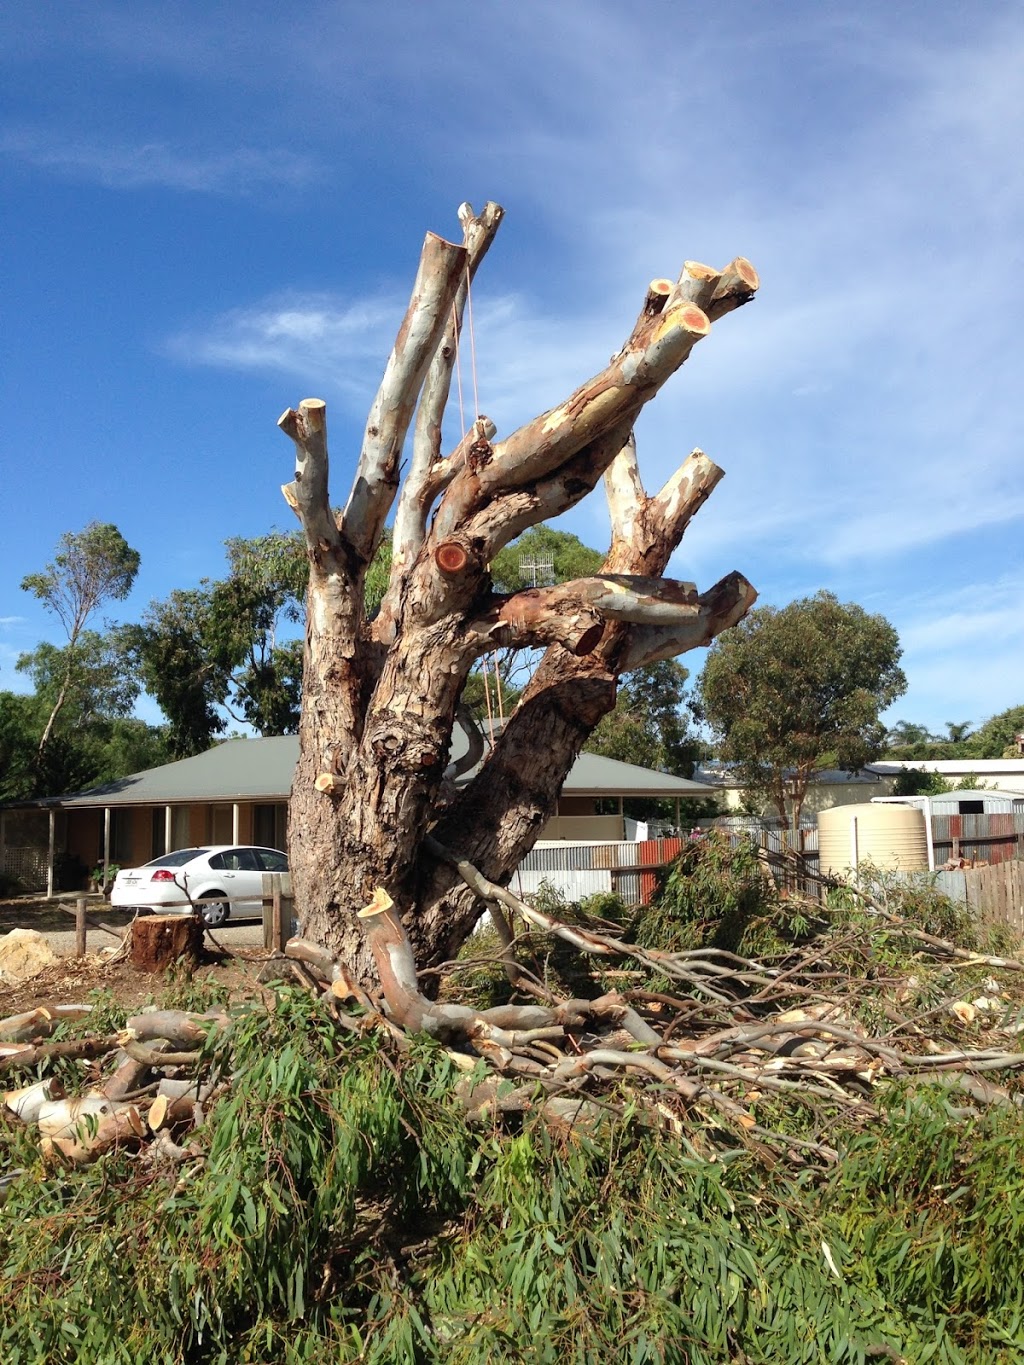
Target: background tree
x=997 y=737
x=87 y=746
x=904 y=733
x=800 y=688
x=524 y=563
x=91 y=567
x=215 y=651
x=374 y=820
x=650 y=725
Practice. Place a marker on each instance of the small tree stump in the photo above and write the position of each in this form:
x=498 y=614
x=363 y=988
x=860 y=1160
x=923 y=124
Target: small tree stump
x=159 y=940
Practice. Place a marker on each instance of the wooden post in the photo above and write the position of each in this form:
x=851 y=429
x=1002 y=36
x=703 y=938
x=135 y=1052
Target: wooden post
x=80 y=927
x=106 y=847
x=275 y=915
x=50 y=887
x=278 y=909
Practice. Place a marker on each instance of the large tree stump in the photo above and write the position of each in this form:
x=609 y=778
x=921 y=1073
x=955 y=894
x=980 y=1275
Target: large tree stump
x=159 y=940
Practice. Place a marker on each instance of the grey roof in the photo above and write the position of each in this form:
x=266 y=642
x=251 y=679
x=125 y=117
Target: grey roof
x=718 y=774
x=991 y=796
x=261 y=770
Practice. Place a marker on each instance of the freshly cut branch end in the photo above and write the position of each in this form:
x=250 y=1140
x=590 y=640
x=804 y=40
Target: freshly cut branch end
x=330 y=783
x=378 y=905
x=450 y=557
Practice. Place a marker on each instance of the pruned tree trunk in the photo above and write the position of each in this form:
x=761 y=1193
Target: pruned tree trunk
x=380 y=696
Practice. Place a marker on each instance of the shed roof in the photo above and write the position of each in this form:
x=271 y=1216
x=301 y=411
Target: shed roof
x=261 y=770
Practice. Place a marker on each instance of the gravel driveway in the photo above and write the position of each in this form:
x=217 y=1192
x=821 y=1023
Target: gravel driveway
x=243 y=935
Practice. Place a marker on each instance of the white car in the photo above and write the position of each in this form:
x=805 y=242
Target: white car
x=174 y=881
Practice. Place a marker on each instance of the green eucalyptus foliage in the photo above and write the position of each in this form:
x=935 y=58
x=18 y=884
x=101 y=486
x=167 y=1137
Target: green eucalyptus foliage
x=713 y=894
x=344 y=1211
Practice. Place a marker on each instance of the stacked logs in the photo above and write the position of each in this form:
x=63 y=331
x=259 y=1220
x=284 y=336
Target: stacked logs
x=150 y=1098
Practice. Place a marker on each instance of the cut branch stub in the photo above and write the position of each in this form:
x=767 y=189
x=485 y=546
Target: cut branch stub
x=309 y=495
x=720 y=607
x=451 y=557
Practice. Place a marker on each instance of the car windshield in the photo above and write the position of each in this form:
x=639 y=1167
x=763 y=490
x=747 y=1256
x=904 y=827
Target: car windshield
x=178 y=859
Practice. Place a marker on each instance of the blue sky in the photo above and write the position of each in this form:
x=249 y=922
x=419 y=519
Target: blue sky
x=211 y=211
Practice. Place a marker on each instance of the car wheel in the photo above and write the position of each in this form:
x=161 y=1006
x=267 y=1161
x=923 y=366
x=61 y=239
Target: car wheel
x=215 y=912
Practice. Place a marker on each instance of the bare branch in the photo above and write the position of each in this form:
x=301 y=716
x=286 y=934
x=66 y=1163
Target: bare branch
x=441 y=268
x=421 y=483
x=624 y=491
x=309 y=495
x=612 y=397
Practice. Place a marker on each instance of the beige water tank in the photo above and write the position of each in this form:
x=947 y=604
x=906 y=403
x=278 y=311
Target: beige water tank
x=887 y=836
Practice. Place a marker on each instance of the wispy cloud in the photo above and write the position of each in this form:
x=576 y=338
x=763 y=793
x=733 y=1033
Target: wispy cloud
x=522 y=361
x=123 y=165
x=334 y=344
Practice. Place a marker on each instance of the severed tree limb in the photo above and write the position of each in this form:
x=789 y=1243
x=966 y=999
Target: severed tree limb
x=27 y=1057
x=39 y=1022
x=27 y=1101
x=441 y=271
x=175 y=1026
x=720 y=607
x=423 y=479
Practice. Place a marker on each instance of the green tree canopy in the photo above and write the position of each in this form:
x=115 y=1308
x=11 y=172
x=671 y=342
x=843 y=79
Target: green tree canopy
x=522 y=563
x=995 y=739
x=91 y=567
x=215 y=649
x=794 y=689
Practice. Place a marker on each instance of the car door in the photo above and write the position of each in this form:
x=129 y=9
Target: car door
x=248 y=881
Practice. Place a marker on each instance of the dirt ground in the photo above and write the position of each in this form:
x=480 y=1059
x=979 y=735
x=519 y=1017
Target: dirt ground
x=70 y=980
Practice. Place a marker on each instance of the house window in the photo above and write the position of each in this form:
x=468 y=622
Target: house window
x=971 y=807
x=179 y=830
x=221 y=824
x=270 y=825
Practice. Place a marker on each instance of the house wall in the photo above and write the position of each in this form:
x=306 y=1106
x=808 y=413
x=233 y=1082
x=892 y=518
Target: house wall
x=576 y=805
x=1000 y=774
x=85 y=836
x=820 y=796
x=583 y=827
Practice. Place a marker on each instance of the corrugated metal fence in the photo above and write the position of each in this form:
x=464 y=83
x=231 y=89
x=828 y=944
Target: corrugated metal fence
x=629 y=870
x=994 y=838
x=577 y=871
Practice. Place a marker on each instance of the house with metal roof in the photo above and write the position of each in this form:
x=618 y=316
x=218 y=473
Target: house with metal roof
x=237 y=793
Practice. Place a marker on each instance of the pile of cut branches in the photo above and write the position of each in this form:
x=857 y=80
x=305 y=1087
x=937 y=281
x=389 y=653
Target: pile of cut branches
x=852 y=995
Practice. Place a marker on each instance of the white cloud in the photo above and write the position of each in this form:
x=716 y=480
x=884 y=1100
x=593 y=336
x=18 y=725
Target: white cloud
x=123 y=165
